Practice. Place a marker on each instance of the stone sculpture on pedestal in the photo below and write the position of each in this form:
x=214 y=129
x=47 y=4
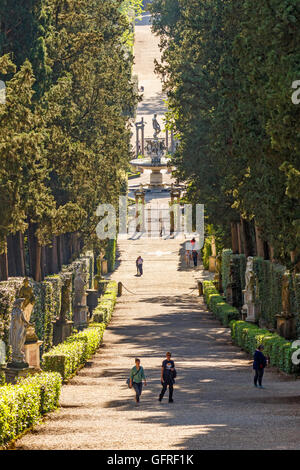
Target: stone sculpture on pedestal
x=17 y=335
x=80 y=302
x=26 y=292
x=251 y=307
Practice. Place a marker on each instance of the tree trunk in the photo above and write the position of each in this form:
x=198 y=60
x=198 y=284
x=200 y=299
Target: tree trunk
x=59 y=253
x=11 y=256
x=234 y=238
x=246 y=237
x=271 y=250
x=240 y=242
x=3 y=267
x=260 y=245
x=16 y=255
x=35 y=253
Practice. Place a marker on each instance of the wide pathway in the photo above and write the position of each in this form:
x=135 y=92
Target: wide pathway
x=216 y=405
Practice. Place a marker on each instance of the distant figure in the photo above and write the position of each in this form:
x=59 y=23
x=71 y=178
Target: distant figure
x=142 y=89
x=195 y=257
x=259 y=364
x=137 y=376
x=139 y=265
x=168 y=375
x=187 y=257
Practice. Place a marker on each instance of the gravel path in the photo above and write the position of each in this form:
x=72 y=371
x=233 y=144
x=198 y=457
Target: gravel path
x=216 y=406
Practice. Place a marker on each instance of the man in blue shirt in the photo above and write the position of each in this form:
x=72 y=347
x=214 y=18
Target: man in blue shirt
x=259 y=364
x=167 y=377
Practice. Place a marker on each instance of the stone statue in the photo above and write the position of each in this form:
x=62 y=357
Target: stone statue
x=65 y=299
x=156 y=126
x=79 y=288
x=285 y=294
x=26 y=293
x=17 y=334
x=250 y=281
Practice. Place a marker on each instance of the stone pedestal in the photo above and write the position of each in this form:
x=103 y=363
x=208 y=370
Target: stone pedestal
x=32 y=354
x=61 y=331
x=286 y=326
x=156 y=178
x=104 y=267
x=212 y=264
x=232 y=295
x=12 y=374
x=92 y=300
x=200 y=288
x=252 y=311
x=80 y=317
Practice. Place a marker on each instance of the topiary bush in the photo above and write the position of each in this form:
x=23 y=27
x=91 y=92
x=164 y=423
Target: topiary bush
x=67 y=357
x=215 y=302
x=248 y=336
x=22 y=405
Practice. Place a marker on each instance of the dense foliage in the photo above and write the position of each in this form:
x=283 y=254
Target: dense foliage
x=22 y=405
x=64 y=134
x=228 y=68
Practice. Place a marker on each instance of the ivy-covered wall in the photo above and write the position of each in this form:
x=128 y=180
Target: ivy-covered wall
x=269 y=277
x=47 y=301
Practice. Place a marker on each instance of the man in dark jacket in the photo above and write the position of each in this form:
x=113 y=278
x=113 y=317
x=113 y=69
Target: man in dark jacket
x=259 y=364
x=167 y=377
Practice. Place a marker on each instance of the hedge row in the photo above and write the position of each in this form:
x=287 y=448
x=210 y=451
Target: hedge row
x=215 y=302
x=248 y=336
x=67 y=357
x=105 y=308
x=22 y=405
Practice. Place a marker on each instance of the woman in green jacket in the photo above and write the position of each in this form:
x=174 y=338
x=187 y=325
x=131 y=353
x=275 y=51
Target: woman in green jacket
x=137 y=376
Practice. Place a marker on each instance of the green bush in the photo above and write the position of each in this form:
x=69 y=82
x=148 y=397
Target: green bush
x=22 y=405
x=248 y=336
x=67 y=357
x=104 y=310
x=226 y=255
x=206 y=252
x=111 y=255
x=223 y=311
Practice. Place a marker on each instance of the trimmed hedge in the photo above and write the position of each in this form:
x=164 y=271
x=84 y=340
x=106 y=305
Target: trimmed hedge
x=22 y=405
x=111 y=255
x=226 y=256
x=223 y=311
x=248 y=336
x=103 y=312
x=68 y=357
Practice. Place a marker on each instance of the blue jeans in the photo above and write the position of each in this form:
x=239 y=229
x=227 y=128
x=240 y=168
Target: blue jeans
x=138 y=388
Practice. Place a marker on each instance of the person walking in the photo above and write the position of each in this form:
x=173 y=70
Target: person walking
x=139 y=265
x=195 y=257
x=168 y=374
x=137 y=376
x=259 y=364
